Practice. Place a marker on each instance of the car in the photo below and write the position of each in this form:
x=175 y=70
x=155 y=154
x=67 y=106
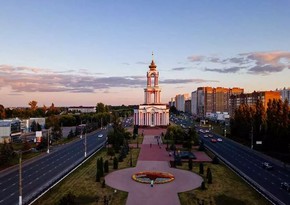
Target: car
x=267 y=165
x=219 y=139
x=207 y=131
x=100 y=135
x=205 y=136
x=213 y=140
x=210 y=135
x=286 y=186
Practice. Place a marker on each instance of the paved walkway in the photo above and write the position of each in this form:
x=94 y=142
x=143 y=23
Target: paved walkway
x=153 y=158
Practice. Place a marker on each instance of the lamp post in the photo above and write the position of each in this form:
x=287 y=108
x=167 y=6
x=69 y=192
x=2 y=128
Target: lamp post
x=85 y=143
x=20 y=177
x=48 y=141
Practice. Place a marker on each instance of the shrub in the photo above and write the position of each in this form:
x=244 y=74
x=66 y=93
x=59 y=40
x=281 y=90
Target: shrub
x=203 y=186
x=190 y=164
x=115 y=163
x=201 y=168
x=215 y=160
x=106 y=166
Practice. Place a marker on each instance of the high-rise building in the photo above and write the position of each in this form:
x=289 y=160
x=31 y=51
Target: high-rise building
x=251 y=99
x=207 y=100
x=180 y=101
x=152 y=112
x=285 y=94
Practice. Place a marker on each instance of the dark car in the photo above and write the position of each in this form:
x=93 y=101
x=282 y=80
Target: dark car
x=267 y=165
x=186 y=155
x=286 y=186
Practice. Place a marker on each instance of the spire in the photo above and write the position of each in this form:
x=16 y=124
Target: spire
x=152 y=65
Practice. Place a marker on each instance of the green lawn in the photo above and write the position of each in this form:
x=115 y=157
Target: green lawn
x=227 y=189
x=81 y=183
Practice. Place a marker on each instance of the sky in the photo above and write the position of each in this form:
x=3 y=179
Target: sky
x=81 y=52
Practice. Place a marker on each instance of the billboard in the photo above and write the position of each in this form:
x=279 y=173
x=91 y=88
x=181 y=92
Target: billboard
x=38 y=135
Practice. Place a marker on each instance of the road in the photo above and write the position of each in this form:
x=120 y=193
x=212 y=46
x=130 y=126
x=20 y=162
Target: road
x=249 y=162
x=42 y=172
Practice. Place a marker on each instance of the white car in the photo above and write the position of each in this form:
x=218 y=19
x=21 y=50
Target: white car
x=100 y=135
x=219 y=139
x=205 y=136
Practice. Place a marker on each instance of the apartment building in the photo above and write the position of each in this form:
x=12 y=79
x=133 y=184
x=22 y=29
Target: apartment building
x=252 y=98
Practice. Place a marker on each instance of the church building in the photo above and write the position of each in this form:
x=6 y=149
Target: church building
x=152 y=113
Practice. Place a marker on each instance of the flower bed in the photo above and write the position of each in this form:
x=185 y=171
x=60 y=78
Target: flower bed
x=158 y=177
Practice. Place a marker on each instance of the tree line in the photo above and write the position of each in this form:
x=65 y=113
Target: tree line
x=271 y=126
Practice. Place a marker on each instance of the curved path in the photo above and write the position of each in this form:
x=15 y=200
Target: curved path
x=153 y=158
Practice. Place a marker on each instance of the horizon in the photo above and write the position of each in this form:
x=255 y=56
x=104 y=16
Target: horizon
x=74 y=53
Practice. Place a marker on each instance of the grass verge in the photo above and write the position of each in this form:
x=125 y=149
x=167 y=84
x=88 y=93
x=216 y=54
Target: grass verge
x=83 y=186
x=227 y=188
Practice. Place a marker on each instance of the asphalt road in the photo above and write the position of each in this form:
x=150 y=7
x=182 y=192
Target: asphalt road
x=249 y=163
x=42 y=172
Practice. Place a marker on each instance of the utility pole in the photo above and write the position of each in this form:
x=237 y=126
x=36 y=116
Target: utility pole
x=20 y=177
x=252 y=143
x=85 y=145
x=48 y=141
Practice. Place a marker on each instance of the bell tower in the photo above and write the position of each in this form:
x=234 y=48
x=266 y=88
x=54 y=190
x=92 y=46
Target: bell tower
x=152 y=112
x=152 y=91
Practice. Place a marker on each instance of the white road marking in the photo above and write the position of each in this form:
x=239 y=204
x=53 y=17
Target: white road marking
x=1 y=201
x=13 y=184
x=30 y=182
x=3 y=189
x=12 y=194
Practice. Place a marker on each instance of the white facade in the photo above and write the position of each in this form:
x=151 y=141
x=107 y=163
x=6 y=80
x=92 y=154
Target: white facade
x=82 y=109
x=148 y=115
x=152 y=112
x=9 y=130
x=285 y=94
x=180 y=101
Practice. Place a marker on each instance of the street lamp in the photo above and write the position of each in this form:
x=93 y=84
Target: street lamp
x=20 y=177
x=85 y=143
x=48 y=141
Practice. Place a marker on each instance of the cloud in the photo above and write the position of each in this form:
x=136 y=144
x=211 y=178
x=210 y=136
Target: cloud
x=179 y=68
x=265 y=69
x=195 y=58
x=214 y=60
x=260 y=63
x=126 y=63
x=268 y=62
x=272 y=58
x=142 y=63
x=184 y=81
x=24 y=79
x=224 y=70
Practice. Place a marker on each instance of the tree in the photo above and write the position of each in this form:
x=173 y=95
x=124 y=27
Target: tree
x=209 y=176
x=201 y=171
x=26 y=146
x=6 y=153
x=68 y=199
x=203 y=186
x=106 y=166
x=104 y=184
x=33 y=105
x=33 y=126
x=100 y=108
x=2 y=112
x=115 y=163
x=190 y=164
x=70 y=134
x=98 y=176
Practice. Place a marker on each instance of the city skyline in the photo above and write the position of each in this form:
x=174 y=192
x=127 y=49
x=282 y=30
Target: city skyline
x=74 y=53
